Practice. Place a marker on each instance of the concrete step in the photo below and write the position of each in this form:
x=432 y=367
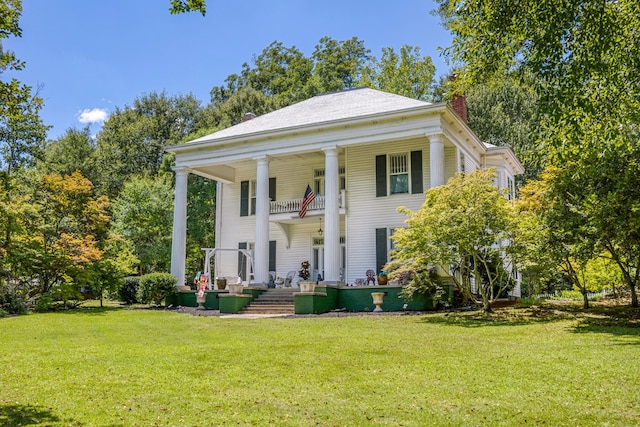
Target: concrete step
x=269 y=309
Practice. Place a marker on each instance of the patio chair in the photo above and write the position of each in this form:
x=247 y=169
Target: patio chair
x=289 y=278
x=371 y=277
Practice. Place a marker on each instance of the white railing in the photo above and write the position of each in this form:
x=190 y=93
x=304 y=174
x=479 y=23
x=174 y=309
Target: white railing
x=293 y=205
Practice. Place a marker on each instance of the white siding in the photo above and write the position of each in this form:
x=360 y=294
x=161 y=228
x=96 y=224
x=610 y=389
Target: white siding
x=366 y=212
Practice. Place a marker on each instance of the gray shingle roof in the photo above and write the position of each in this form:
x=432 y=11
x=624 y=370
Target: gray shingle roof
x=348 y=104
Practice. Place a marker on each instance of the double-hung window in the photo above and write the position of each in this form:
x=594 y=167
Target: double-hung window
x=398 y=173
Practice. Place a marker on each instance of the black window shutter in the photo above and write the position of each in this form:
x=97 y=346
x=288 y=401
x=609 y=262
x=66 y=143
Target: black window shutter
x=381 y=248
x=244 y=199
x=272 y=189
x=272 y=255
x=416 y=172
x=381 y=175
x=242 y=261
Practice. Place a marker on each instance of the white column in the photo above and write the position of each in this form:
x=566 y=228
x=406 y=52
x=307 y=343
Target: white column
x=179 y=238
x=321 y=261
x=261 y=250
x=436 y=161
x=331 y=216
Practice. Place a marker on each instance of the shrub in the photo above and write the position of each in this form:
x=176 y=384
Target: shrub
x=13 y=299
x=128 y=290
x=155 y=287
x=529 y=301
x=423 y=283
x=44 y=302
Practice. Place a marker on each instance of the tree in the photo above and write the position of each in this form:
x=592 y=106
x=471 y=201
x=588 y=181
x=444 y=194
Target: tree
x=72 y=151
x=464 y=228
x=133 y=139
x=143 y=215
x=583 y=57
x=339 y=65
x=64 y=226
x=408 y=74
x=559 y=231
x=182 y=6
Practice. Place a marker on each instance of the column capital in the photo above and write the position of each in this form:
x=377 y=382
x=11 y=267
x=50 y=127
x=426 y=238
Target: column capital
x=181 y=169
x=262 y=159
x=435 y=136
x=331 y=150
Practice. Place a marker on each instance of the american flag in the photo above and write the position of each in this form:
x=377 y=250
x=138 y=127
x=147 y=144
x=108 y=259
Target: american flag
x=306 y=201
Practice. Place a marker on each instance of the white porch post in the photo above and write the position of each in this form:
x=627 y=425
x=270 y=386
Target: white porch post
x=261 y=252
x=179 y=238
x=436 y=162
x=331 y=216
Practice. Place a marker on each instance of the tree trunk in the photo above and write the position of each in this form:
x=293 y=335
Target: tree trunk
x=486 y=305
x=634 y=296
x=585 y=299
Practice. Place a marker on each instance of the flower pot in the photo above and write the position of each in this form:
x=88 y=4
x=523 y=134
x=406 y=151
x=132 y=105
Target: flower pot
x=236 y=288
x=383 y=280
x=307 y=286
x=221 y=283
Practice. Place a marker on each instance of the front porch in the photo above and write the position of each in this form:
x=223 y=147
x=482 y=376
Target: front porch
x=324 y=298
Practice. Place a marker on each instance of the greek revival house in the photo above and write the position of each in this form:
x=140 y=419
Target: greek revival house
x=362 y=152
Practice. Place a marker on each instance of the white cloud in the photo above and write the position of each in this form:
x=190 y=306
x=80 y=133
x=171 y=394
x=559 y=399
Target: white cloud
x=93 y=116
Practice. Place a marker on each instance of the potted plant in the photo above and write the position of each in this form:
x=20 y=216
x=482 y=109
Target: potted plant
x=305 y=285
x=382 y=278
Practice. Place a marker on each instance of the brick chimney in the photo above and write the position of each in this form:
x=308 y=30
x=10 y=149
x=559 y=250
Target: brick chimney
x=459 y=103
x=248 y=116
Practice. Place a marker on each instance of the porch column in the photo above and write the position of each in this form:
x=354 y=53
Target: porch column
x=179 y=238
x=261 y=251
x=331 y=216
x=436 y=161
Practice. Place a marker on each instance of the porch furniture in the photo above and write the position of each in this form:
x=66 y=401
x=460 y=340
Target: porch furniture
x=371 y=277
x=289 y=278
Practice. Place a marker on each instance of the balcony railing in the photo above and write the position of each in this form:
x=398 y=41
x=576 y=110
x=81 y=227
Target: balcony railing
x=293 y=205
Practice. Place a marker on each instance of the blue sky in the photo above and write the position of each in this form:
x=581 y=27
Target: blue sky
x=92 y=56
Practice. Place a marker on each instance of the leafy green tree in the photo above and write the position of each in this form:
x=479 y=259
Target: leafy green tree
x=462 y=228
x=133 y=139
x=118 y=261
x=408 y=74
x=143 y=215
x=554 y=232
x=72 y=151
x=64 y=226
x=182 y=6
x=583 y=58
x=339 y=65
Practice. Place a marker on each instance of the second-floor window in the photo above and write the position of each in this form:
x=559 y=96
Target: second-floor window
x=398 y=173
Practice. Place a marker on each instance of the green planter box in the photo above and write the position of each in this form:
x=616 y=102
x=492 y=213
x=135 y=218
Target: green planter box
x=233 y=303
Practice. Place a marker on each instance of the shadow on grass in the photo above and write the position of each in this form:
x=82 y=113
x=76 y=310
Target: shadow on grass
x=22 y=415
x=94 y=311
x=620 y=320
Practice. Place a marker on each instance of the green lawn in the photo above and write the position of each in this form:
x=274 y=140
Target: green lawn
x=118 y=367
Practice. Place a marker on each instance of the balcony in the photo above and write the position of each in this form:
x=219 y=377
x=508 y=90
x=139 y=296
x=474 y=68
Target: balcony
x=284 y=208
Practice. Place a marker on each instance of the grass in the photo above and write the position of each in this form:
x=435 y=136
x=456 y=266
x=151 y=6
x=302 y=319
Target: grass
x=118 y=367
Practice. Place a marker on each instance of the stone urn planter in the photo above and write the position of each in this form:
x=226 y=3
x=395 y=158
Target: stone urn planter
x=201 y=299
x=377 y=300
x=236 y=288
x=307 y=286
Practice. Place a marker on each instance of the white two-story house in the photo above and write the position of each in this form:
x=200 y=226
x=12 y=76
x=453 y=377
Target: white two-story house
x=363 y=153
